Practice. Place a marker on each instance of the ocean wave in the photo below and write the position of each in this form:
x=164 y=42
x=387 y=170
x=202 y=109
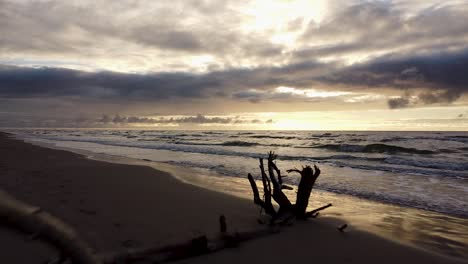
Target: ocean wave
x=461 y=139
x=211 y=148
x=373 y=148
x=235 y=143
x=212 y=133
x=324 y=135
x=406 y=169
x=433 y=164
x=238 y=143
x=465 y=137
x=272 y=137
x=253 y=149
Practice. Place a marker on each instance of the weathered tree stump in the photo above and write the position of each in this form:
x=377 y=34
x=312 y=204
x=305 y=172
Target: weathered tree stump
x=273 y=188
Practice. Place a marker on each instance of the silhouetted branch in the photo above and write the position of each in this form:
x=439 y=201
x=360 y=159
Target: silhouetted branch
x=267 y=206
x=313 y=212
x=286 y=208
x=306 y=184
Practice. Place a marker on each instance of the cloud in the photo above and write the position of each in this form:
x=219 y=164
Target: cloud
x=434 y=79
x=102 y=56
x=376 y=28
x=198 y=119
x=26 y=82
x=251 y=95
x=441 y=77
x=399 y=102
x=145 y=35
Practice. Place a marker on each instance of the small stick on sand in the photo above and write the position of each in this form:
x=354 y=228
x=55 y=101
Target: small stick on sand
x=222 y=224
x=342 y=227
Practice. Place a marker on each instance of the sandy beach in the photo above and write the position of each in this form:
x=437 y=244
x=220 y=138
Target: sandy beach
x=118 y=206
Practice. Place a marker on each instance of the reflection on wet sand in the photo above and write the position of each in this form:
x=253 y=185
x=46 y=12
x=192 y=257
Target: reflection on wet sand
x=431 y=231
x=435 y=232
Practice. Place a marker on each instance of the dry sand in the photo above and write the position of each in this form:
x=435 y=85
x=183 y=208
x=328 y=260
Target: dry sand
x=115 y=206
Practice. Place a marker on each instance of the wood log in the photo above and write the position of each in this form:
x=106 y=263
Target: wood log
x=51 y=230
x=187 y=249
x=268 y=207
x=306 y=184
x=278 y=195
x=253 y=184
x=222 y=224
x=273 y=188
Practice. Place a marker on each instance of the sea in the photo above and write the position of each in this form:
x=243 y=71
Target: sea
x=420 y=177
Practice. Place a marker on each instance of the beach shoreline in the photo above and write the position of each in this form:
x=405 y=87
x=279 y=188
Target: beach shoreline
x=431 y=231
x=153 y=208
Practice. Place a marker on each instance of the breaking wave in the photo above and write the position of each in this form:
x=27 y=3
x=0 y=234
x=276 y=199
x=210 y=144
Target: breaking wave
x=373 y=148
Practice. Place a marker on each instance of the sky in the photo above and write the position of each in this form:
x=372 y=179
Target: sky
x=183 y=64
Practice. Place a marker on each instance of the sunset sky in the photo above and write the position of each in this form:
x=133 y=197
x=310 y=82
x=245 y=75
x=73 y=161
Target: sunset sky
x=183 y=64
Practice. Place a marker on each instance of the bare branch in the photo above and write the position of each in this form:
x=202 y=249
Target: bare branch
x=271 y=172
x=317 y=171
x=253 y=184
x=269 y=209
x=278 y=172
x=286 y=209
x=315 y=211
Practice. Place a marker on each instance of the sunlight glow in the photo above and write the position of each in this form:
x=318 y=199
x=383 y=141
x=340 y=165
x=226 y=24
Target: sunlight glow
x=284 y=20
x=310 y=92
x=201 y=62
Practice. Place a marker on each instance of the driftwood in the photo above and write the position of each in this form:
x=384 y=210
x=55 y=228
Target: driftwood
x=198 y=246
x=273 y=188
x=51 y=230
x=33 y=220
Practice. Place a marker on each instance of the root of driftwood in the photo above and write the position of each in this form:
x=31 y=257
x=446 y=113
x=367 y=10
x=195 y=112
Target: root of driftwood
x=32 y=220
x=42 y=225
x=195 y=247
x=315 y=212
x=273 y=188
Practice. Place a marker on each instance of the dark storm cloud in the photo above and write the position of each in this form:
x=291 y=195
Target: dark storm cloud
x=252 y=96
x=24 y=82
x=442 y=76
x=53 y=82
